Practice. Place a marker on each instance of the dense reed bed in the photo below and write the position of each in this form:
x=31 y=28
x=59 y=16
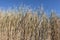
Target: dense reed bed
x=29 y=26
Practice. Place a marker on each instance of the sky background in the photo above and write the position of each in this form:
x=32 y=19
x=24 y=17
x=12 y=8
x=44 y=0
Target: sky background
x=47 y=4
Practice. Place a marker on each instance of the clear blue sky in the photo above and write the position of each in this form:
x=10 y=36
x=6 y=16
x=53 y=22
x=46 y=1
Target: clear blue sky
x=47 y=4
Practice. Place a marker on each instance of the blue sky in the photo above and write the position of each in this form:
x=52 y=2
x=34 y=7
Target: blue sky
x=47 y=4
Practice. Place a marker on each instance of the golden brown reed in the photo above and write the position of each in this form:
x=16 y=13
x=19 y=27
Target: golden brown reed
x=16 y=26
